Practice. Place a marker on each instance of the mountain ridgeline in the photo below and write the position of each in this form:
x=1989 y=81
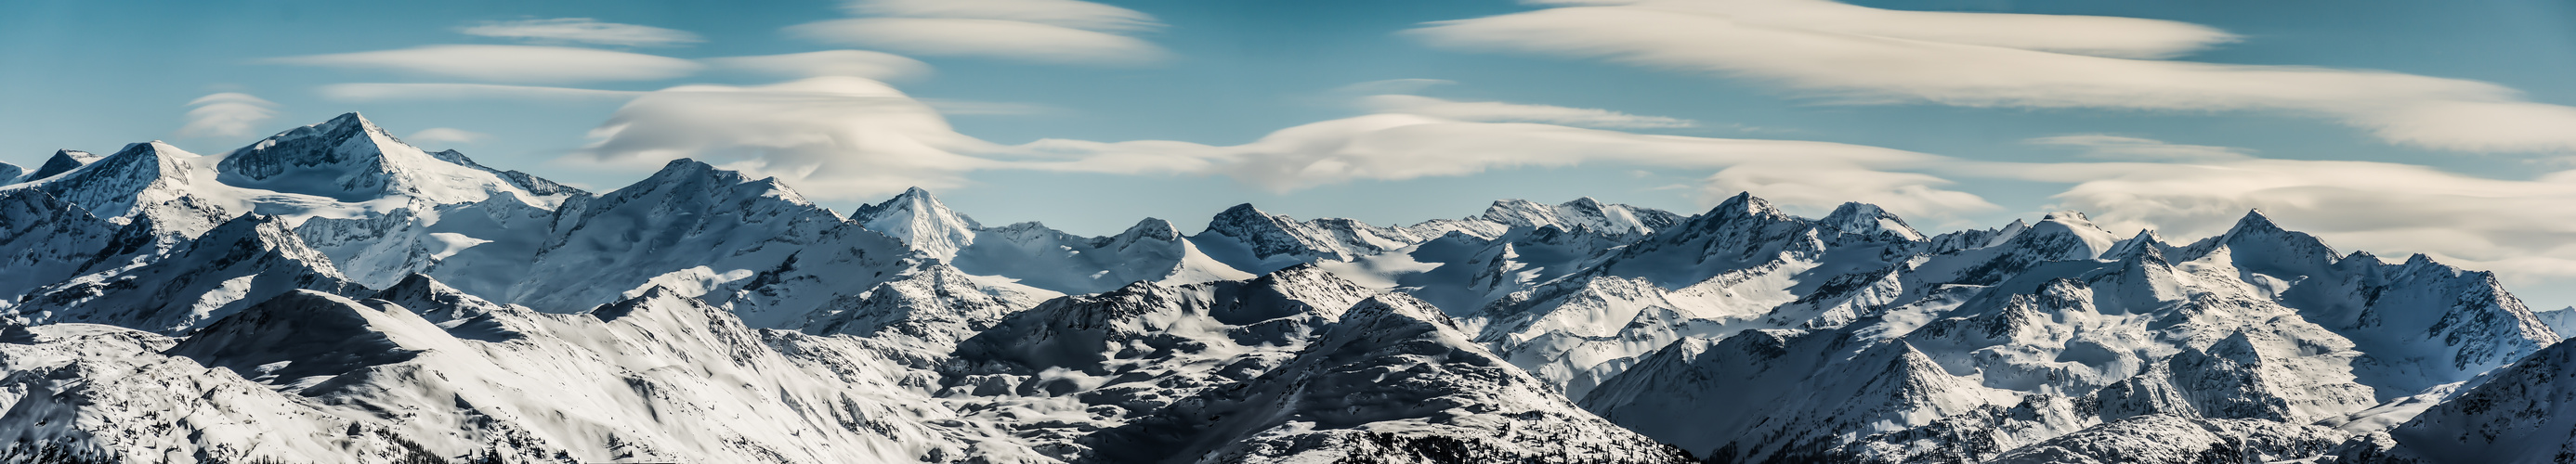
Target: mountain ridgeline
x=333 y=294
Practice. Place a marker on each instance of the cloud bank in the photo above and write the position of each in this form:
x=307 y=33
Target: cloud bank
x=1855 y=54
x=582 y=30
x=1063 y=32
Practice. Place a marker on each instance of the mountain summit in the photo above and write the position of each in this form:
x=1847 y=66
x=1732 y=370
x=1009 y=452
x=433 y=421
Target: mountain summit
x=331 y=294
x=350 y=159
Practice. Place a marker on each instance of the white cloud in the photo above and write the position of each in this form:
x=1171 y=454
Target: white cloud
x=508 y=63
x=830 y=137
x=1066 y=13
x=374 y=92
x=985 y=38
x=1515 y=112
x=972 y=107
x=582 y=30
x=1041 y=31
x=2516 y=227
x=445 y=135
x=2118 y=148
x=1404 y=146
x=227 y=114
x=855 y=63
x=1392 y=86
x=846 y=137
x=1864 y=55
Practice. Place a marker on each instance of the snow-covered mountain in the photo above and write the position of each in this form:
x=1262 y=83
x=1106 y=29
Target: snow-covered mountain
x=330 y=294
x=351 y=160
x=63 y=161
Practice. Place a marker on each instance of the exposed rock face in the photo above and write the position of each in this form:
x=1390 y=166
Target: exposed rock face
x=331 y=294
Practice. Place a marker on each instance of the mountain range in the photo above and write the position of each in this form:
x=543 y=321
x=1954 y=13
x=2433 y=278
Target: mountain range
x=333 y=294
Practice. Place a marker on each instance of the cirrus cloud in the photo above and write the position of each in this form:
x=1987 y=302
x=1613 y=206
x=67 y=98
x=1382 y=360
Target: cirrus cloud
x=582 y=30
x=855 y=63
x=1069 y=32
x=445 y=135
x=1516 y=112
x=1066 y=13
x=831 y=137
x=1864 y=55
x=507 y=63
x=375 y=92
x=226 y=114
x=985 y=38
x=848 y=137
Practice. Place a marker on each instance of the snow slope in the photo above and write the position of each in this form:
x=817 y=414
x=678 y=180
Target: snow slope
x=331 y=294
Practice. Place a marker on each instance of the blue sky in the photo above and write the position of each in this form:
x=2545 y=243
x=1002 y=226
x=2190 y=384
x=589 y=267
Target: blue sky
x=2388 y=126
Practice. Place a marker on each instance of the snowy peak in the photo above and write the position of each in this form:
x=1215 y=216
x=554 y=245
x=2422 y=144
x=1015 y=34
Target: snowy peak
x=1149 y=229
x=2524 y=412
x=63 y=161
x=1583 y=213
x=2257 y=244
x=2065 y=235
x=697 y=182
x=1869 y=220
x=350 y=159
x=921 y=221
x=114 y=186
x=2145 y=244
x=1744 y=204
x=1262 y=242
x=9 y=173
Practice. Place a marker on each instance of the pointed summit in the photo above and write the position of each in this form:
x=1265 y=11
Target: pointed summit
x=921 y=221
x=1150 y=229
x=1869 y=220
x=1741 y=203
x=150 y=178
x=2258 y=244
x=687 y=169
x=350 y=159
x=63 y=161
x=9 y=173
x=2146 y=243
x=2255 y=220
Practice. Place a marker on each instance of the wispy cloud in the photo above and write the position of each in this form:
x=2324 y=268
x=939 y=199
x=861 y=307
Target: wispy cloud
x=1067 y=13
x=854 y=63
x=1398 y=146
x=831 y=137
x=1516 y=112
x=445 y=135
x=1040 y=31
x=508 y=63
x=2118 y=148
x=844 y=137
x=1855 y=54
x=582 y=30
x=376 y=92
x=2506 y=225
x=226 y=114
